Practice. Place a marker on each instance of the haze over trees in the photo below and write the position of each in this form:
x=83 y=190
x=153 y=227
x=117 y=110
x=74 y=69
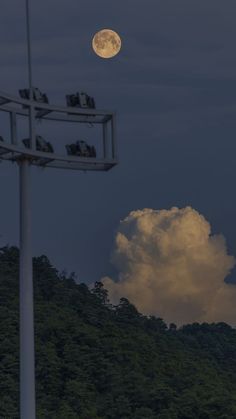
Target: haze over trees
x=95 y=360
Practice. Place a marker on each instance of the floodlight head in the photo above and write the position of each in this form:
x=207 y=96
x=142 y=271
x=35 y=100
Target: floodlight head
x=24 y=93
x=91 y=102
x=26 y=142
x=86 y=101
x=43 y=145
x=83 y=100
x=71 y=100
x=93 y=152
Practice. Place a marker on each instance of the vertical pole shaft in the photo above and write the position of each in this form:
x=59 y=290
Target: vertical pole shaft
x=27 y=363
x=13 y=128
x=30 y=77
x=29 y=46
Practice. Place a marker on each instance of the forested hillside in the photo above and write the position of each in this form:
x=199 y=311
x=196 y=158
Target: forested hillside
x=96 y=361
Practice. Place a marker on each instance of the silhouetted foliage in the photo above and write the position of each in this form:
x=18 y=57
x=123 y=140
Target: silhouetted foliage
x=100 y=292
x=95 y=360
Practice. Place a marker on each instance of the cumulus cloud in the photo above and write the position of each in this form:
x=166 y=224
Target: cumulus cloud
x=171 y=266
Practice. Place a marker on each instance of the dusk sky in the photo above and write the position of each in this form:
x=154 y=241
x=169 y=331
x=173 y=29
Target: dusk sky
x=173 y=86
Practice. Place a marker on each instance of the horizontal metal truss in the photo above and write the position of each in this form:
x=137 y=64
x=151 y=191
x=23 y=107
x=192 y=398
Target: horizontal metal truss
x=35 y=111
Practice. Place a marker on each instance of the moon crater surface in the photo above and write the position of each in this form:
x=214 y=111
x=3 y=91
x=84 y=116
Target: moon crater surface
x=106 y=43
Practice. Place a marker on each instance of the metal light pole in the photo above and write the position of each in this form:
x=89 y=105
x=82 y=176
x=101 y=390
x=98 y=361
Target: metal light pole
x=27 y=354
x=25 y=156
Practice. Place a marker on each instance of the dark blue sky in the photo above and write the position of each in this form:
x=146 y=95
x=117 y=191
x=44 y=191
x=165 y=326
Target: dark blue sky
x=174 y=89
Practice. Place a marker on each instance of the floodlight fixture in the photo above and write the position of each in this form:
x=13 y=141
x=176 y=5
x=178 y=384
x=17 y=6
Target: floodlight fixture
x=38 y=96
x=41 y=144
x=81 y=148
x=80 y=100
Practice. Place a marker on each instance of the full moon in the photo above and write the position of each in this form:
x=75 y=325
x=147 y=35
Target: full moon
x=106 y=43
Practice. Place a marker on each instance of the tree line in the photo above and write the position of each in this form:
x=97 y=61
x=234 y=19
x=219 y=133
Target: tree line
x=95 y=360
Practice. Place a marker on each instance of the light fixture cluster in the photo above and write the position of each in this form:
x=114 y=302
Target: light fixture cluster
x=81 y=100
x=38 y=96
x=78 y=100
x=41 y=144
x=81 y=148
